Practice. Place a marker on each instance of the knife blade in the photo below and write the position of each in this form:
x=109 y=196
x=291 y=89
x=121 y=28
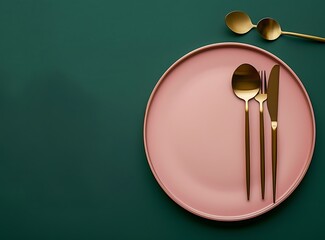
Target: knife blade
x=272 y=105
x=273 y=93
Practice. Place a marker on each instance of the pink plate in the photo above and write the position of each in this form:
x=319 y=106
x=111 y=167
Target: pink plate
x=194 y=134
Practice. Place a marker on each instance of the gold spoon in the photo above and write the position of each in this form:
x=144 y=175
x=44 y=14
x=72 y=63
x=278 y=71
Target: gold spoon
x=269 y=29
x=246 y=84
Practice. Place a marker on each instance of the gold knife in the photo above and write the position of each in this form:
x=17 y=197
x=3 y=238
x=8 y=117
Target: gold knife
x=272 y=104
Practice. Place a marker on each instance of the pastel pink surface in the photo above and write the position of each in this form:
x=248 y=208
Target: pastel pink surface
x=194 y=134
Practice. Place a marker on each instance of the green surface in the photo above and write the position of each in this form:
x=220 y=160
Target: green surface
x=75 y=77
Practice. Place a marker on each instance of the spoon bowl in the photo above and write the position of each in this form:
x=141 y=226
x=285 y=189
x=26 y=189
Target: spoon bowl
x=269 y=29
x=239 y=22
x=246 y=82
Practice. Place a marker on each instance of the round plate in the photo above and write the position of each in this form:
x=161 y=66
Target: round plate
x=194 y=134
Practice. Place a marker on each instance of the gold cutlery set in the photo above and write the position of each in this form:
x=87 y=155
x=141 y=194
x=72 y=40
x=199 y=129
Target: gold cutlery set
x=248 y=83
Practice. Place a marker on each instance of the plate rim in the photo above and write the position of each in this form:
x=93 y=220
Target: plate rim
x=179 y=201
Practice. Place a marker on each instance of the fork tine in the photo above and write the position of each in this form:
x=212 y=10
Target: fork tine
x=264 y=82
x=261 y=86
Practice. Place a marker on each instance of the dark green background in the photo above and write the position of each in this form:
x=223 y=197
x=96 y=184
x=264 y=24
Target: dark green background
x=75 y=77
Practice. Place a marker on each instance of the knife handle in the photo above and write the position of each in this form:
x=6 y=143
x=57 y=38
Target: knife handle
x=247 y=152
x=262 y=151
x=274 y=156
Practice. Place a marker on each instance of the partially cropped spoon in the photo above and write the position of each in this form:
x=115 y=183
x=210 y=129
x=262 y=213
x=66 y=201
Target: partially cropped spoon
x=240 y=23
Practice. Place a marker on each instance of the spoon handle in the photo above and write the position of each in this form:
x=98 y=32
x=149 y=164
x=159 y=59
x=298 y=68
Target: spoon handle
x=319 y=39
x=247 y=143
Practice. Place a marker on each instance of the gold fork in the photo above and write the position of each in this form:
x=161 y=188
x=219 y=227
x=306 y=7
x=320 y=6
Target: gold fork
x=261 y=97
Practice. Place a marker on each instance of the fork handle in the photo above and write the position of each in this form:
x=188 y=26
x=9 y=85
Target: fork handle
x=262 y=150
